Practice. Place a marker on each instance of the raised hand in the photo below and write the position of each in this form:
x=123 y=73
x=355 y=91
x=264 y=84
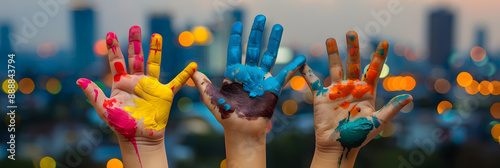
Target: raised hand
x=345 y=118
x=139 y=105
x=249 y=93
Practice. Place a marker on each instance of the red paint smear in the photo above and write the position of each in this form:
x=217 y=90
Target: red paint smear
x=151 y=134
x=353 y=68
x=336 y=108
x=120 y=71
x=95 y=91
x=371 y=73
x=138 y=63
x=352 y=51
x=355 y=110
x=113 y=49
x=343 y=90
x=108 y=103
x=84 y=82
x=340 y=73
x=173 y=87
x=345 y=104
x=122 y=122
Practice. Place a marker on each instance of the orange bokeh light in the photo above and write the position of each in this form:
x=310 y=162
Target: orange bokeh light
x=186 y=39
x=496 y=88
x=485 y=87
x=443 y=105
x=495 y=110
x=100 y=48
x=442 y=86
x=410 y=83
x=472 y=88
x=464 y=79
x=477 y=53
x=298 y=83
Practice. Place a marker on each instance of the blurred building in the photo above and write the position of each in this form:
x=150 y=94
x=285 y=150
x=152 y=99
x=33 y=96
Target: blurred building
x=441 y=38
x=162 y=24
x=83 y=35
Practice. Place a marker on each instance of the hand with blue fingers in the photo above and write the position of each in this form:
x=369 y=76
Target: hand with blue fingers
x=345 y=118
x=249 y=93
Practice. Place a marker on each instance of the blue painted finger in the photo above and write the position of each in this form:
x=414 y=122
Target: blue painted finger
x=286 y=73
x=255 y=40
x=234 y=45
x=269 y=57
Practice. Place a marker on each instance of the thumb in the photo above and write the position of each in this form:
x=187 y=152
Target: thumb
x=392 y=108
x=94 y=94
x=208 y=91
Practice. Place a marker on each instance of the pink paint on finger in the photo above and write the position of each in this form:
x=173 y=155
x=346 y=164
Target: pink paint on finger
x=137 y=47
x=95 y=91
x=84 y=83
x=138 y=63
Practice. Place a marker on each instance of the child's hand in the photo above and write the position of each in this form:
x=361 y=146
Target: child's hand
x=139 y=105
x=344 y=112
x=249 y=93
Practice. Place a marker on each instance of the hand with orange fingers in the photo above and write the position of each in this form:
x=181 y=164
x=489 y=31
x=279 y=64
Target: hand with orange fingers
x=139 y=105
x=345 y=118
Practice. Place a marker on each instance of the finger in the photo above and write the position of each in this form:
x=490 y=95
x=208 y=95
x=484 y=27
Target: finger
x=353 y=61
x=95 y=95
x=392 y=108
x=254 y=41
x=234 y=45
x=334 y=60
x=154 y=59
x=115 y=57
x=372 y=74
x=207 y=90
x=273 y=45
x=311 y=79
x=135 y=53
x=182 y=77
x=286 y=73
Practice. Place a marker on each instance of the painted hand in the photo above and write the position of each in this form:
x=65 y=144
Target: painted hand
x=139 y=105
x=344 y=112
x=249 y=93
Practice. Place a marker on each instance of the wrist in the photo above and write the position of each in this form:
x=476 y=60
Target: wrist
x=245 y=150
x=332 y=157
x=143 y=153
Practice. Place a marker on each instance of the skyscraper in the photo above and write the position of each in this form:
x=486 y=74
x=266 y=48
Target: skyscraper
x=83 y=35
x=440 y=36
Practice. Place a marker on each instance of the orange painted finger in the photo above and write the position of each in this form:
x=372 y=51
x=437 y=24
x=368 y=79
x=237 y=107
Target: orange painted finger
x=372 y=74
x=353 y=62
x=182 y=77
x=335 y=64
x=135 y=53
x=154 y=59
x=115 y=57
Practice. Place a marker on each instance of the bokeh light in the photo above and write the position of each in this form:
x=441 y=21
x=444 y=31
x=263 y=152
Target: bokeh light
x=495 y=110
x=47 y=162
x=289 y=107
x=383 y=73
x=495 y=131
x=317 y=49
x=285 y=55
x=298 y=83
x=389 y=129
x=472 y=88
x=464 y=79
x=186 y=39
x=45 y=50
x=399 y=48
x=5 y=86
x=485 y=87
x=477 y=53
x=114 y=163
x=185 y=104
x=396 y=83
x=190 y=82
x=496 y=88
x=53 y=86
x=202 y=35
x=442 y=86
x=444 y=105
x=410 y=83
x=26 y=85
x=100 y=48
x=447 y=114
x=408 y=107
x=223 y=164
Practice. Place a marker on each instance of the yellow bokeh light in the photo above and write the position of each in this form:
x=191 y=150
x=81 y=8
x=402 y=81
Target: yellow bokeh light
x=472 y=88
x=298 y=83
x=5 y=86
x=495 y=110
x=485 y=87
x=442 y=86
x=464 y=79
x=53 y=86
x=26 y=85
x=186 y=39
x=443 y=105
x=100 y=48
x=185 y=104
x=495 y=131
x=317 y=49
x=47 y=162
x=289 y=107
x=477 y=53
x=202 y=35
x=496 y=88
x=223 y=164
x=114 y=163
x=410 y=83
x=386 y=84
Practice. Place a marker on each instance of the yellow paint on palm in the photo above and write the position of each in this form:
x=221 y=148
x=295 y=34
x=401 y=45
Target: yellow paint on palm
x=156 y=98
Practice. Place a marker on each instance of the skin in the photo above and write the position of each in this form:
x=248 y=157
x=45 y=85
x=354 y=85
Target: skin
x=139 y=105
x=345 y=118
x=249 y=93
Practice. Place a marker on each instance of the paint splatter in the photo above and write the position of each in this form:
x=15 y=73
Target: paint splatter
x=355 y=110
x=95 y=91
x=343 y=90
x=120 y=71
x=345 y=104
x=138 y=63
x=335 y=108
x=84 y=83
x=319 y=87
